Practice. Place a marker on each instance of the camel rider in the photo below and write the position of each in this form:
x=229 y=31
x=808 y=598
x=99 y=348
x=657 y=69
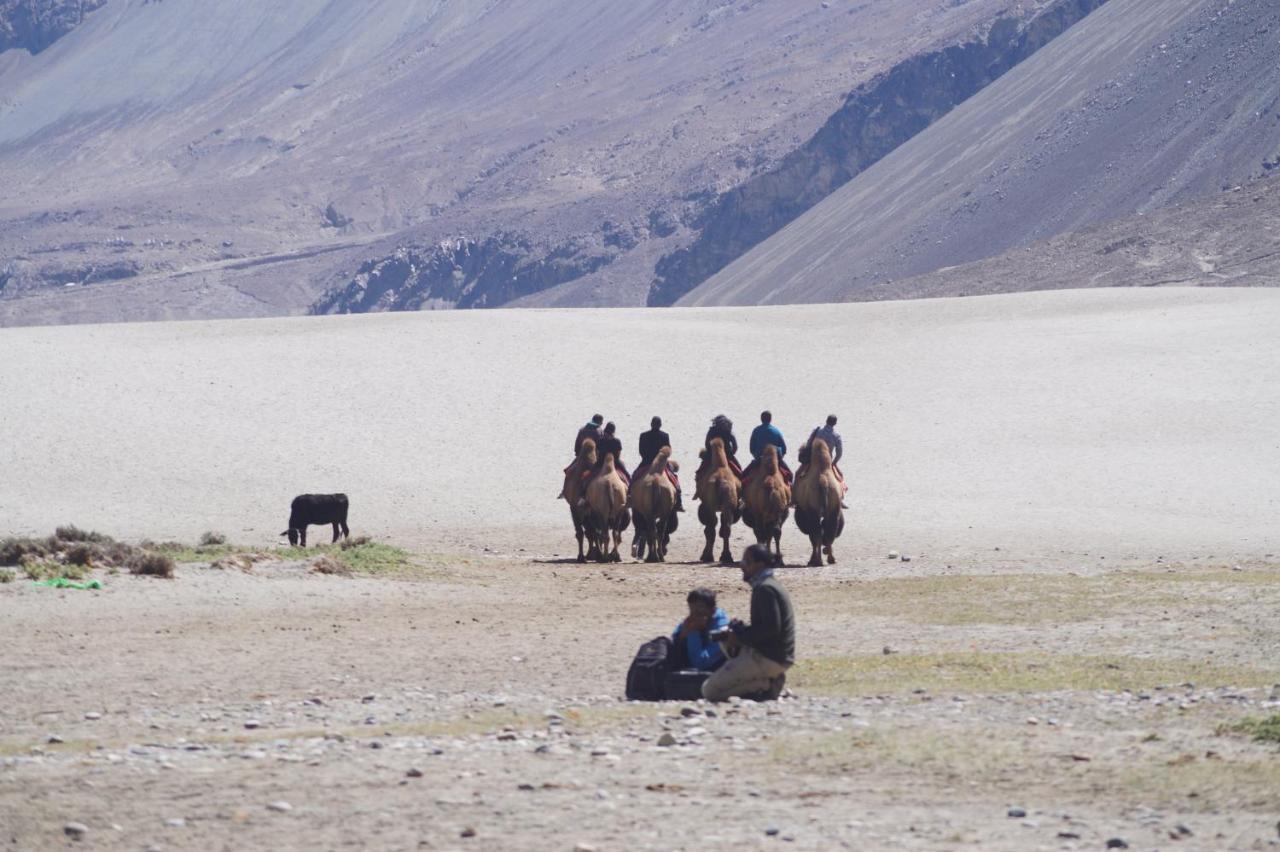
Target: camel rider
x=651 y=443
x=766 y=435
x=832 y=439
x=608 y=444
x=592 y=431
x=722 y=428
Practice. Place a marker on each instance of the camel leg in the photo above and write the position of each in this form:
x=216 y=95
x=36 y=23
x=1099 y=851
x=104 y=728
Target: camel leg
x=815 y=560
x=655 y=541
x=617 y=544
x=726 y=527
x=708 y=553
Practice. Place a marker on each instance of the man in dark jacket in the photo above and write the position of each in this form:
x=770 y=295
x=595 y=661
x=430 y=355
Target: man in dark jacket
x=609 y=445
x=651 y=443
x=766 y=647
x=592 y=431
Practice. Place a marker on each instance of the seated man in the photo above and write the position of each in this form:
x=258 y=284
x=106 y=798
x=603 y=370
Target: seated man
x=766 y=647
x=608 y=444
x=764 y=435
x=651 y=443
x=592 y=431
x=694 y=647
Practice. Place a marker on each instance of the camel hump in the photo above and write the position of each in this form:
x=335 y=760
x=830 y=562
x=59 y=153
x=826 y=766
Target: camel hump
x=608 y=466
x=769 y=461
x=820 y=454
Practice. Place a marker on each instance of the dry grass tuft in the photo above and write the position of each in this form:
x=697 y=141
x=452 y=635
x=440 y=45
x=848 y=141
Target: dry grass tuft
x=212 y=539
x=152 y=565
x=328 y=565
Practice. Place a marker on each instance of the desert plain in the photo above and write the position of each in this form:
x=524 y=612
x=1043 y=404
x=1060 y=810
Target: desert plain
x=1086 y=485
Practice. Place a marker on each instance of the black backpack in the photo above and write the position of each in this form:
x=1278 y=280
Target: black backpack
x=649 y=670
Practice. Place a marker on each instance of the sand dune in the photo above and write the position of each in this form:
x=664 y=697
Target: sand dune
x=1138 y=422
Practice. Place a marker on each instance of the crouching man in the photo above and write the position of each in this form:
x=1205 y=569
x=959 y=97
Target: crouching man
x=766 y=647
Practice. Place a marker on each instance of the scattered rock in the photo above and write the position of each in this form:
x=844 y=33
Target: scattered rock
x=583 y=847
x=1017 y=813
x=667 y=739
x=252 y=724
x=369 y=699
x=54 y=739
x=887 y=650
x=771 y=831
x=75 y=830
x=93 y=716
x=414 y=772
x=175 y=822
x=280 y=807
x=1117 y=843
x=690 y=711
x=468 y=832
x=893 y=554
x=905 y=558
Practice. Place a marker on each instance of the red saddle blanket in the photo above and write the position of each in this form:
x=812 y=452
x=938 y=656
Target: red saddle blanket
x=643 y=470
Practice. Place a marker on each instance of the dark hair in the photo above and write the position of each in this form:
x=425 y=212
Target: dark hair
x=766 y=416
x=656 y=422
x=703 y=596
x=609 y=428
x=722 y=422
x=597 y=419
x=831 y=420
x=760 y=553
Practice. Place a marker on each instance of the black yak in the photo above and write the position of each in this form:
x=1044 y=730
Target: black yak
x=316 y=509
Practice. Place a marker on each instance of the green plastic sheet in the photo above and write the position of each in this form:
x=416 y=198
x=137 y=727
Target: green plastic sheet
x=64 y=583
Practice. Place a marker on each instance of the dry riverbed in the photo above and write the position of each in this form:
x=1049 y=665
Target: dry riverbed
x=472 y=700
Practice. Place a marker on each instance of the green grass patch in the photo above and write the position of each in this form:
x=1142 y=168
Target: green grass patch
x=1263 y=730
x=1008 y=599
x=994 y=673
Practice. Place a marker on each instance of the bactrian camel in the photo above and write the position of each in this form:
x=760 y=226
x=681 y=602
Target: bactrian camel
x=607 y=513
x=818 y=511
x=653 y=507
x=575 y=487
x=720 y=493
x=767 y=501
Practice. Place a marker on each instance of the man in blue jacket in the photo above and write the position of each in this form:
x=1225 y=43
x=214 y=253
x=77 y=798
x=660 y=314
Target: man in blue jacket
x=765 y=435
x=694 y=647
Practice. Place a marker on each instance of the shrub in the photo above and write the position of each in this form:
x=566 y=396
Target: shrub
x=1263 y=730
x=7 y=576
x=34 y=567
x=71 y=532
x=152 y=565
x=212 y=539
x=80 y=554
x=12 y=550
x=72 y=572
x=358 y=541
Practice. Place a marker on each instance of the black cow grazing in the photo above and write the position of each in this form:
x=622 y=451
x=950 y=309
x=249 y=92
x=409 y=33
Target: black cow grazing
x=316 y=509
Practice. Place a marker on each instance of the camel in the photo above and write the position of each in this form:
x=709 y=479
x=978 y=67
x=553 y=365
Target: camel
x=653 y=506
x=818 y=511
x=720 y=491
x=575 y=490
x=767 y=501
x=607 y=514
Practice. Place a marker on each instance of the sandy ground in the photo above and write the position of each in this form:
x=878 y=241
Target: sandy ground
x=1119 y=448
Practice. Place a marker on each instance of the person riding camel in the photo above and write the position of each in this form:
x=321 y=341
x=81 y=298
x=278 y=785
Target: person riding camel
x=722 y=428
x=608 y=444
x=592 y=431
x=651 y=443
x=766 y=435
x=832 y=439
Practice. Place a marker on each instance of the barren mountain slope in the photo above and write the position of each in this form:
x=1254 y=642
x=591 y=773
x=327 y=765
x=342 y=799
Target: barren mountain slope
x=1230 y=239
x=33 y=25
x=239 y=157
x=1141 y=105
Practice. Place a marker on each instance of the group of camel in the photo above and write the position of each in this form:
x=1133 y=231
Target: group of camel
x=602 y=508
